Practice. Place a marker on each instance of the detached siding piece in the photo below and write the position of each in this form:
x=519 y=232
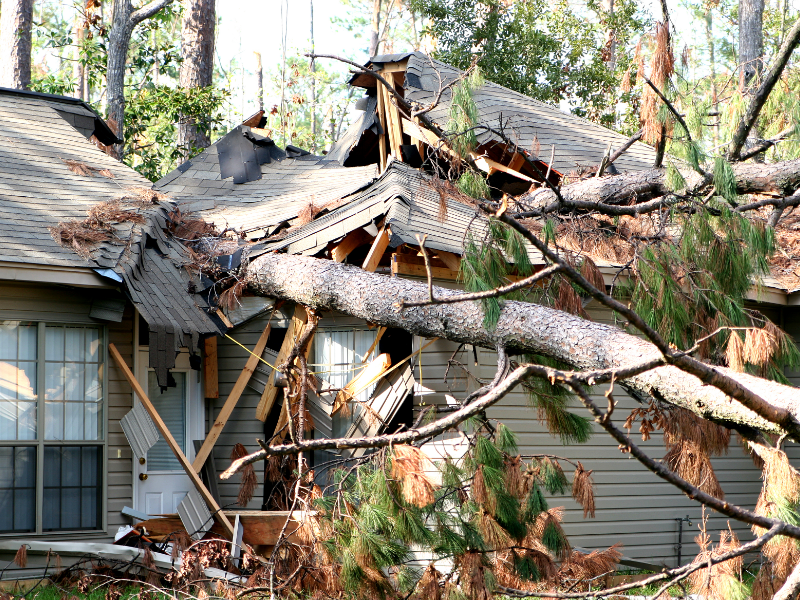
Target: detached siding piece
x=194 y=514
x=389 y=394
x=140 y=430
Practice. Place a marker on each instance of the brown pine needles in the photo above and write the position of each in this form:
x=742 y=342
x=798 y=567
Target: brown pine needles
x=410 y=467
x=249 y=482
x=583 y=490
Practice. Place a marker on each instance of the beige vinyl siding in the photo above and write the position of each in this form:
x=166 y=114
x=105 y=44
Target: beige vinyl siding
x=120 y=401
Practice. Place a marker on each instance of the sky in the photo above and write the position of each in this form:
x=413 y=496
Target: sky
x=248 y=26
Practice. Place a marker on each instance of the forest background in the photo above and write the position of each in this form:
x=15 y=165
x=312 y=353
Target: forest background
x=576 y=54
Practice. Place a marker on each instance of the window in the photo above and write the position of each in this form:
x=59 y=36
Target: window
x=51 y=427
x=337 y=356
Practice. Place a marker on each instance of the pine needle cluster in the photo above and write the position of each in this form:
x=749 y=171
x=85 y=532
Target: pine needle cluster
x=486 y=513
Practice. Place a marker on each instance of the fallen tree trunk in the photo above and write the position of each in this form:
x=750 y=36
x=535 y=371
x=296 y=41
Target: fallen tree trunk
x=782 y=178
x=522 y=328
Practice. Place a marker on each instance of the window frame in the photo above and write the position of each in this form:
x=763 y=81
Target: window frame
x=40 y=442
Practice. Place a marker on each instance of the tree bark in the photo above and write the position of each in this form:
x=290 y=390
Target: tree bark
x=375 y=33
x=197 y=68
x=751 y=53
x=522 y=328
x=123 y=21
x=776 y=178
x=16 y=20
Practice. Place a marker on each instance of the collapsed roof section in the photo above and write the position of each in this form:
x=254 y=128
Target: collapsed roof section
x=539 y=129
x=222 y=184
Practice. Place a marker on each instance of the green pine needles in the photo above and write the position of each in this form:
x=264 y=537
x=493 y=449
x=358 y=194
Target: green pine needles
x=484 y=507
x=488 y=262
x=464 y=115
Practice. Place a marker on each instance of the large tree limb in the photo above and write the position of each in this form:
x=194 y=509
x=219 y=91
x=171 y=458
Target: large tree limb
x=760 y=97
x=644 y=191
x=522 y=328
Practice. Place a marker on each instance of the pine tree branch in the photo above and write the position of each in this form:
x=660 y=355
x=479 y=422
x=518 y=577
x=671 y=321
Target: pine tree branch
x=706 y=373
x=492 y=396
x=148 y=10
x=677 y=573
x=762 y=94
x=500 y=291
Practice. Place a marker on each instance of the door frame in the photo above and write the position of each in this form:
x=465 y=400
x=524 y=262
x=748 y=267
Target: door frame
x=195 y=410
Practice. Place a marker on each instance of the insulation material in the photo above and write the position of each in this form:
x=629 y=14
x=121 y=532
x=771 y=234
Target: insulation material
x=381 y=408
x=140 y=430
x=194 y=514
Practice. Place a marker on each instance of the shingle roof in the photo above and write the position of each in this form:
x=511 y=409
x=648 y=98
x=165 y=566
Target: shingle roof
x=38 y=191
x=529 y=122
x=411 y=205
x=286 y=186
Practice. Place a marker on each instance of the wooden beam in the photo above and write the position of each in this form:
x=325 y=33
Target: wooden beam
x=381 y=331
x=452 y=261
x=382 y=119
x=210 y=368
x=236 y=393
x=516 y=161
x=379 y=246
x=484 y=163
x=487 y=164
x=398 y=67
x=283 y=419
x=392 y=119
x=173 y=445
x=270 y=391
x=402 y=267
x=351 y=241
x=363 y=380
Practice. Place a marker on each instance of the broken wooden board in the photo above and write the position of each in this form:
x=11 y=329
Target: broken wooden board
x=210 y=368
x=377 y=249
x=407 y=264
x=366 y=376
x=230 y=403
x=351 y=241
x=270 y=391
x=260 y=527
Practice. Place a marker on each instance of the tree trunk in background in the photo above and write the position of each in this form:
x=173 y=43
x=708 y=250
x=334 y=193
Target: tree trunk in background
x=313 y=86
x=123 y=20
x=259 y=81
x=16 y=19
x=610 y=49
x=375 y=35
x=709 y=30
x=197 y=68
x=79 y=69
x=751 y=53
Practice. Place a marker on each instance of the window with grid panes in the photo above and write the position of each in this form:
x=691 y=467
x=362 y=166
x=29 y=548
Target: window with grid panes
x=51 y=427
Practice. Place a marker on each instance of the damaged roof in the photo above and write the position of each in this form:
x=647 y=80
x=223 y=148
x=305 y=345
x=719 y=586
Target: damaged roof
x=534 y=125
x=411 y=204
x=51 y=177
x=282 y=189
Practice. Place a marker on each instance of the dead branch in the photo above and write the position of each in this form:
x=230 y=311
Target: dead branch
x=624 y=148
x=679 y=572
x=501 y=291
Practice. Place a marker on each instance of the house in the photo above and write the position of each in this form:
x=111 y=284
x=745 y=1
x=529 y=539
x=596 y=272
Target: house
x=70 y=303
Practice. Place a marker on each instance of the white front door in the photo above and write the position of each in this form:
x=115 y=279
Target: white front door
x=160 y=481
